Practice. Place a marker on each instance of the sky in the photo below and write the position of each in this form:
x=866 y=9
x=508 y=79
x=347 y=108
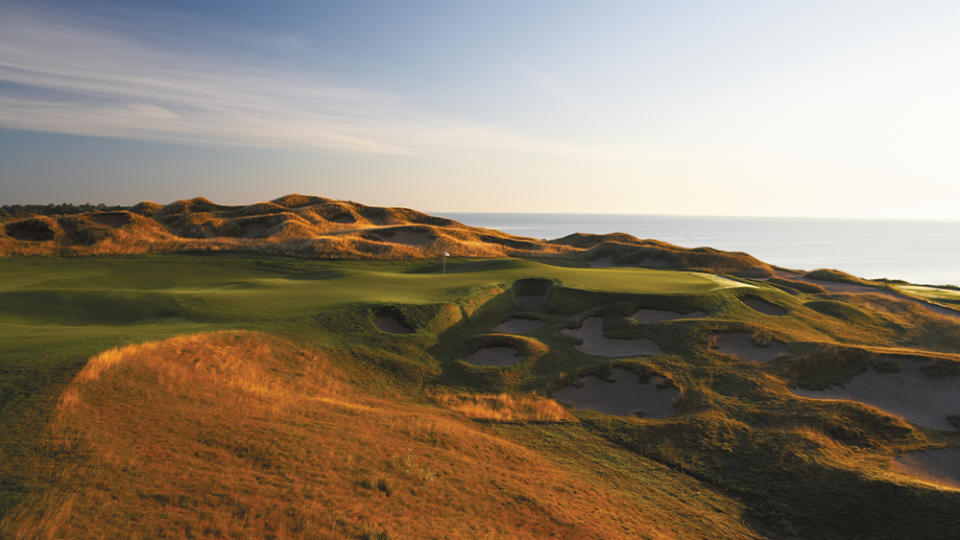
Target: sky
x=766 y=108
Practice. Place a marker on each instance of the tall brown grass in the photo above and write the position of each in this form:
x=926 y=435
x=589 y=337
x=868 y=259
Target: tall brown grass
x=243 y=435
x=504 y=407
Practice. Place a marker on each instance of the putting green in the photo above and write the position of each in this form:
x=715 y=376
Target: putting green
x=188 y=286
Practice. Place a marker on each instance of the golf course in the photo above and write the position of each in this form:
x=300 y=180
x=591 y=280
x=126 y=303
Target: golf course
x=162 y=377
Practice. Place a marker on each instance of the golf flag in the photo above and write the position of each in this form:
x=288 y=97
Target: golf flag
x=446 y=254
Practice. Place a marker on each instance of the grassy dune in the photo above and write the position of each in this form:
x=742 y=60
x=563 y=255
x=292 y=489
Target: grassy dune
x=239 y=434
x=255 y=396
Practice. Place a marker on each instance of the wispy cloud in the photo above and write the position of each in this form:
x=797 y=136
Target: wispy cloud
x=84 y=78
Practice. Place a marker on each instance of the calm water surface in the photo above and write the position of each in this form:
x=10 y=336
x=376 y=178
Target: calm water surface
x=917 y=251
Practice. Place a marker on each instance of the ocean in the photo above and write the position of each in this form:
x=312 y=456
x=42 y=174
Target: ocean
x=926 y=252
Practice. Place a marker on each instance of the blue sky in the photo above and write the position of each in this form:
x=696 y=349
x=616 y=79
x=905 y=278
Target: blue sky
x=717 y=108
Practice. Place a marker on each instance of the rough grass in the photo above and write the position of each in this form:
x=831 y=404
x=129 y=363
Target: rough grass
x=242 y=435
x=504 y=407
x=315 y=227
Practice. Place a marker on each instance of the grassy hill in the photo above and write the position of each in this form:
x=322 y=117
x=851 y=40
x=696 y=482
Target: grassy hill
x=256 y=395
x=315 y=227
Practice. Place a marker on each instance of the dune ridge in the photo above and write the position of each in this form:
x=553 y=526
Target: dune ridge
x=318 y=227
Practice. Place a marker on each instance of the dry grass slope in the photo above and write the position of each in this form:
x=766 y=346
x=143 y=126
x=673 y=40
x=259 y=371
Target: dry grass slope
x=242 y=435
x=307 y=226
x=504 y=407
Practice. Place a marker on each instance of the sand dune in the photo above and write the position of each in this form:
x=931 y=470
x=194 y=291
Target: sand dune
x=317 y=227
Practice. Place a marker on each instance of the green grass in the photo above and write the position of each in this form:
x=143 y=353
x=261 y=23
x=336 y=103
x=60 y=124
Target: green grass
x=740 y=435
x=937 y=294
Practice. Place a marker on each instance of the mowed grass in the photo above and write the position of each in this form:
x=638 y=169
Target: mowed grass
x=938 y=294
x=233 y=285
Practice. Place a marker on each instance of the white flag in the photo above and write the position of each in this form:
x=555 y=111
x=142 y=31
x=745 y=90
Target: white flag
x=446 y=254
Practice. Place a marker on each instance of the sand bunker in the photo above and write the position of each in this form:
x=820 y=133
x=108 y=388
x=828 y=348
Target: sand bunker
x=408 y=237
x=31 y=230
x=941 y=466
x=518 y=326
x=532 y=293
x=498 y=356
x=741 y=344
x=625 y=396
x=657 y=315
x=759 y=304
x=389 y=322
x=910 y=393
x=595 y=343
x=111 y=219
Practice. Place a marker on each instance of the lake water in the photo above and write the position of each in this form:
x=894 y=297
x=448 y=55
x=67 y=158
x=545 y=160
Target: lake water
x=925 y=252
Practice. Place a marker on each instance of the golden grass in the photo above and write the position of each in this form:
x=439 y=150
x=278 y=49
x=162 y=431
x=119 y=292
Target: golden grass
x=242 y=435
x=504 y=407
x=313 y=227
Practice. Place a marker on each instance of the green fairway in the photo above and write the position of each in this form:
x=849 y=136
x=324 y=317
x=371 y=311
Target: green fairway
x=80 y=291
x=938 y=294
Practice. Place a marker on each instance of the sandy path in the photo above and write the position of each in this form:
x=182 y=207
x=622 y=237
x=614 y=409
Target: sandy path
x=595 y=343
x=518 y=325
x=741 y=344
x=912 y=394
x=648 y=316
x=626 y=396
x=941 y=466
x=495 y=356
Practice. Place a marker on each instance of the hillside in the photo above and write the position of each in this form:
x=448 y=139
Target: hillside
x=240 y=393
x=315 y=227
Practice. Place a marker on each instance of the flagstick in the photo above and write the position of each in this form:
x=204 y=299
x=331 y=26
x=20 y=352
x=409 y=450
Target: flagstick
x=444 y=263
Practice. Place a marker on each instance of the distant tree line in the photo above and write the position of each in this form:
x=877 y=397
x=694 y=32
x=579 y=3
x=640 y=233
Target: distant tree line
x=20 y=210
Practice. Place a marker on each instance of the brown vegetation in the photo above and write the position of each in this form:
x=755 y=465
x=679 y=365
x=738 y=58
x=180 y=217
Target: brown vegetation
x=307 y=226
x=504 y=407
x=242 y=435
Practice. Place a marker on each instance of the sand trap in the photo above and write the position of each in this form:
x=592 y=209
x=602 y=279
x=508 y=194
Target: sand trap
x=495 y=356
x=595 y=343
x=111 y=219
x=910 y=393
x=657 y=315
x=532 y=293
x=518 y=326
x=941 y=466
x=741 y=344
x=759 y=304
x=31 y=230
x=391 y=323
x=407 y=237
x=625 y=396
